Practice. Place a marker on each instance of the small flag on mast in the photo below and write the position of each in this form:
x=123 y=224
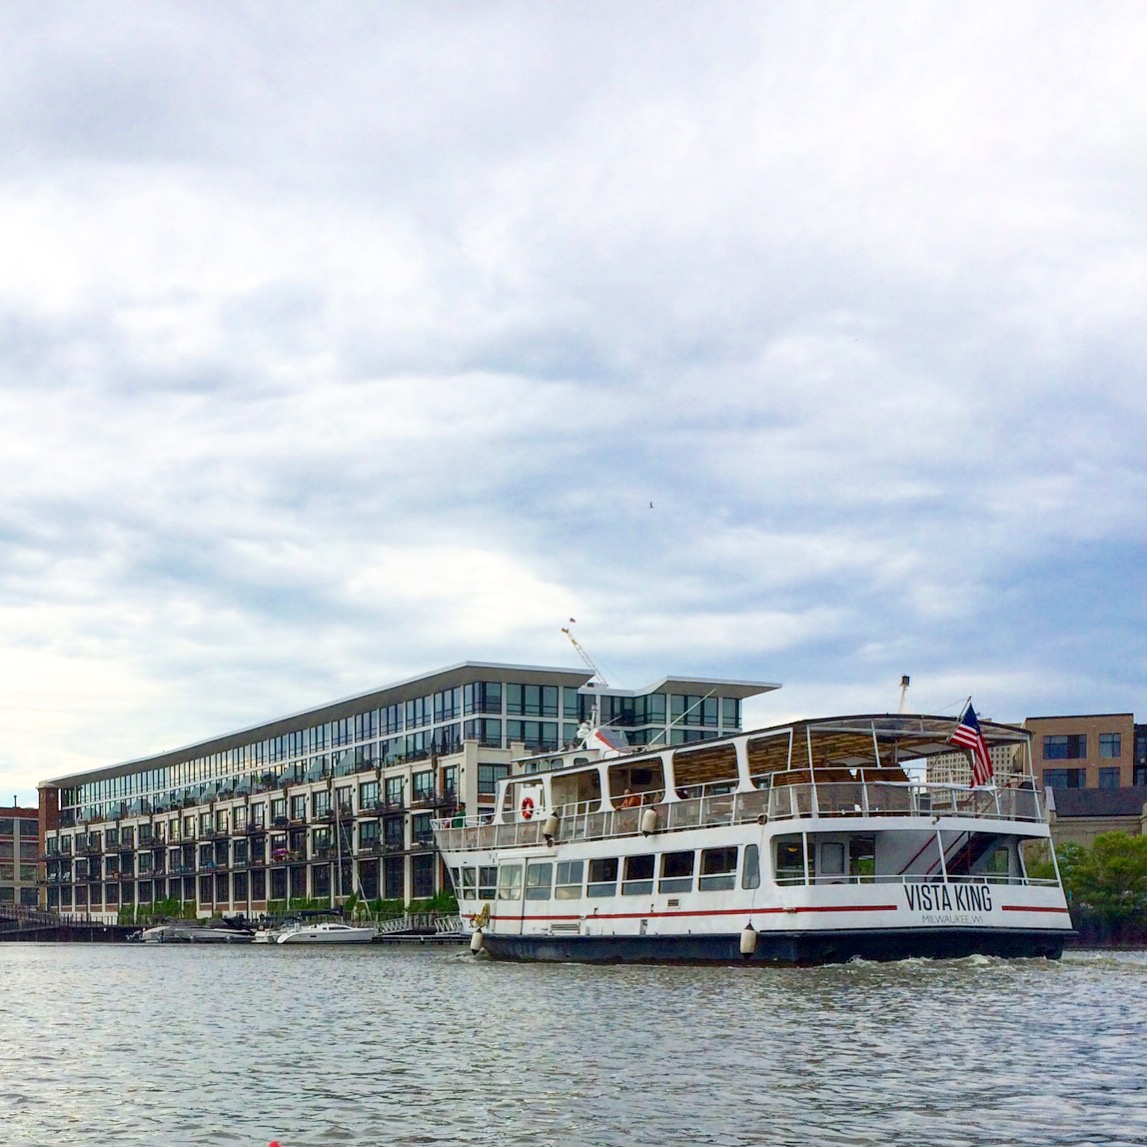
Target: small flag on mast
x=968 y=736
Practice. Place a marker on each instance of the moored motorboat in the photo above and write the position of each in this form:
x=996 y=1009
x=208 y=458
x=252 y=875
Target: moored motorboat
x=189 y=932
x=818 y=841
x=325 y=933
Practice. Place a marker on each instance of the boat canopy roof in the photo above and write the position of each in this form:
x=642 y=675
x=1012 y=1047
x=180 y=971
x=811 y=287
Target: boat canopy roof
x=861 y=741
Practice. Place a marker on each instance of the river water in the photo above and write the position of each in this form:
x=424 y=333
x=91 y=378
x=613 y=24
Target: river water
x=174 y=1045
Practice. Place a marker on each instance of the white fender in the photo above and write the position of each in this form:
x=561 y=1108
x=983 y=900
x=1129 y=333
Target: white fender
x=648 y=821
x=748 y=940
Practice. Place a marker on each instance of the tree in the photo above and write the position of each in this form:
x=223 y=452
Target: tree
x=1111 y=877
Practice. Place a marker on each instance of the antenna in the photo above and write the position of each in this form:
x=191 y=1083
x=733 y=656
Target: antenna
x=583 y=655
x=904 y=693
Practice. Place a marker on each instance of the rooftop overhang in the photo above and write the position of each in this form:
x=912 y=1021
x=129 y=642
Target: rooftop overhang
x=692 y=686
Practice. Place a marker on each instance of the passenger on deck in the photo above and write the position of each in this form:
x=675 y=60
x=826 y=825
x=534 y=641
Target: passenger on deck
x=631 y=799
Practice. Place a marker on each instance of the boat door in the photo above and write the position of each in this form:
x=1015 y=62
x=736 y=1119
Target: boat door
x=510 y=905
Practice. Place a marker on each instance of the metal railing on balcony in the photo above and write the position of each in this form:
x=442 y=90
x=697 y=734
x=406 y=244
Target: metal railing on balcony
x=877 y=799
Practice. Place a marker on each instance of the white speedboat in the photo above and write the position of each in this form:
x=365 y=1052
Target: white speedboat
x=191 y=933
x=877 y=837
x=325 y=933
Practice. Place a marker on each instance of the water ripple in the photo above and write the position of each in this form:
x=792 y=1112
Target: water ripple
x=191 y=1046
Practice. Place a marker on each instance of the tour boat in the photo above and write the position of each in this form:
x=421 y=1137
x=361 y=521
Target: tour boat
x=325 y=933
x=812 y=842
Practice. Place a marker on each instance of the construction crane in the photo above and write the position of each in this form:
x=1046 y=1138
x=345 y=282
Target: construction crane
x=583 y=655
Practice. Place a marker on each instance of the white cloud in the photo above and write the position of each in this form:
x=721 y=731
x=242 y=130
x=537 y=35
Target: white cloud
x=334 y=349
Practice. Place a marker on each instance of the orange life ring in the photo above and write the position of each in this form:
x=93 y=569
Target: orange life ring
x=527 y=807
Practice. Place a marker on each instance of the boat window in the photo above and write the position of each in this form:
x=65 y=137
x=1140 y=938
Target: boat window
x=831 y=858
x=577 y=791
x=538 y=880
x=1036 y=860
x=569 y=875
x=862 y=856
x=487 y=881
x=718 y=869
x=638 y=875
x=997 y=862
x=456 y=881
x=510 y=882
x=707 y=770
x=469 y=883
x=602 y=877
x=677 y=872
x=637 y=784
x=751 y=874
x=790 y=866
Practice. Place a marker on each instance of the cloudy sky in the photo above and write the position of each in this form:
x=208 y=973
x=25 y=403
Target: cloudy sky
x=340 y=342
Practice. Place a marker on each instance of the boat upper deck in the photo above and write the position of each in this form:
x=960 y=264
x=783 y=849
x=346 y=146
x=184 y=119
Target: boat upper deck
x=832 y=800
x=845 y=767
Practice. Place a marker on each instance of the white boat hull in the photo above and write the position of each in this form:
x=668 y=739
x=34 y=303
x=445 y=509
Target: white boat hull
x=327 y=934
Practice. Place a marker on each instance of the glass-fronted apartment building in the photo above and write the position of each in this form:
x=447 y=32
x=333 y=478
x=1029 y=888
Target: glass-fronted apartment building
x=338 y=799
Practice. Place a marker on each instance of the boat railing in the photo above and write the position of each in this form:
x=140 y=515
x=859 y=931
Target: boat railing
x=588 y=821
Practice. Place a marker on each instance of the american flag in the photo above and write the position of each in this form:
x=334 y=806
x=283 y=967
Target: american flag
x=968 y=736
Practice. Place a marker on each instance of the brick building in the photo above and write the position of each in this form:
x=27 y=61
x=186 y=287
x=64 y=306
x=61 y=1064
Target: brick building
x=19 y=853
x=1092 y=751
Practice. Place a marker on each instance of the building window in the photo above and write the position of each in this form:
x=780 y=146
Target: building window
x=394 y=833
x=420 y=830
x=489 y=776
x=533 y=734
x=1109 y=745
x=532 y=700
x=730 y=713
x=485 y=730
x=1065 y=747
x=450 y=782
x=394 y=791
x=1109 y=778
x=1065 y=778
x=422 y=877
